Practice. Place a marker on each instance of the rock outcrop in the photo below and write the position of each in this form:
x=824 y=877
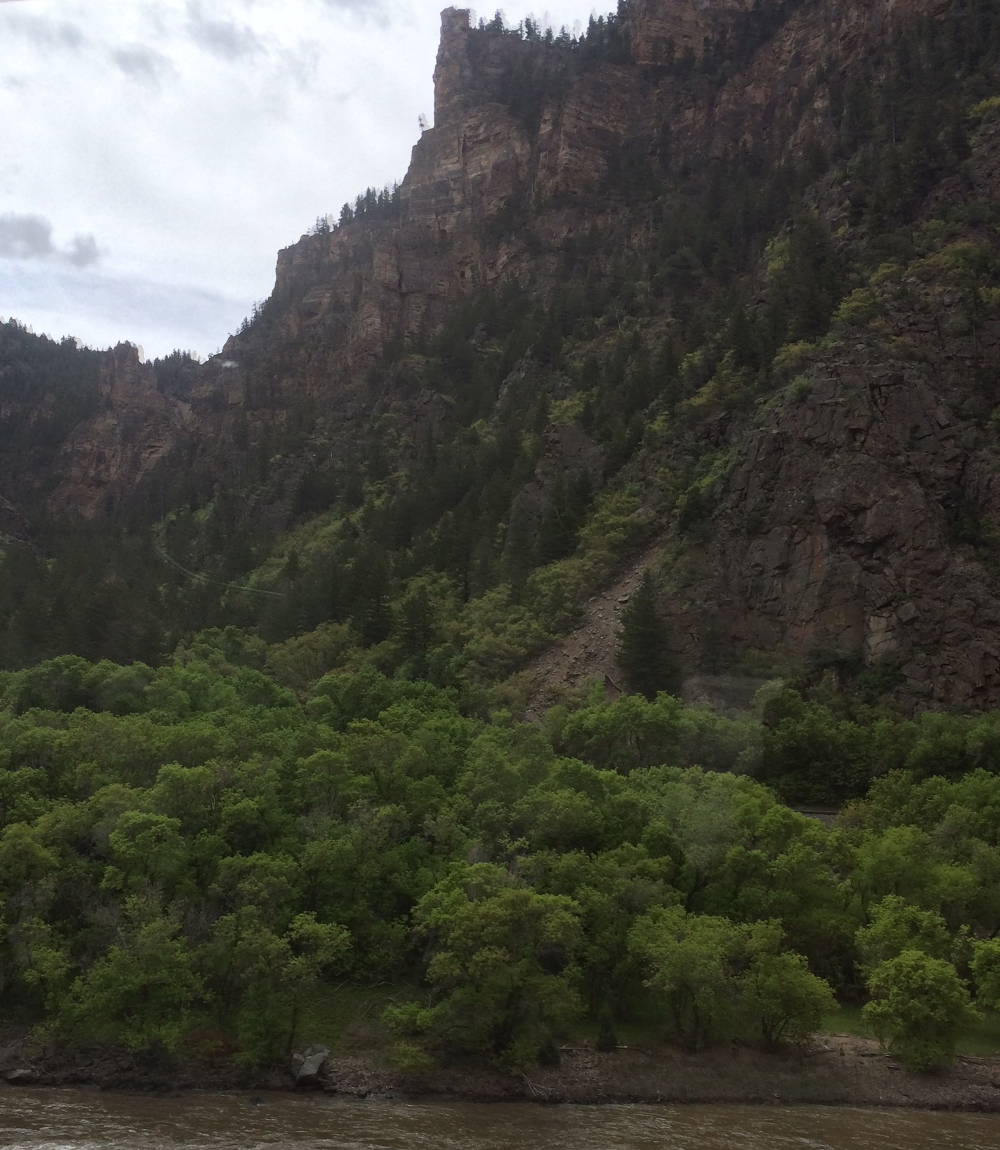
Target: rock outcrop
x=378 y=280
x=109 y=455
x=309 y=1065
x=856 y=524
x=661 y=31
x=851 y=497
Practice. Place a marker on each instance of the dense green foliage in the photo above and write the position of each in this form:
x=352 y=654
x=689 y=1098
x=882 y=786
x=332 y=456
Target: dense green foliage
x=187 y=851
x=918 y=1005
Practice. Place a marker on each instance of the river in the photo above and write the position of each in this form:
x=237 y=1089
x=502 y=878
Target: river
x=84 y=1120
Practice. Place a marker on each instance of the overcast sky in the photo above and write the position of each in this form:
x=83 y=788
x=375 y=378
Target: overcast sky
x=157 y=153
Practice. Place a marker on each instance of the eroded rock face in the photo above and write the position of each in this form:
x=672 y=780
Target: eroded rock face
x=854 y=489
x=663 y=30
x=856 y=521
x=107 y=456
x=786 y=69
x=373 y=281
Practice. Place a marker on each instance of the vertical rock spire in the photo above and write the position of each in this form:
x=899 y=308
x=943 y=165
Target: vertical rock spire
x=452 y=72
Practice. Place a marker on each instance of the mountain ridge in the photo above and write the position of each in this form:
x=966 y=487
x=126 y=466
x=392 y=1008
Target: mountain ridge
x=720 y=281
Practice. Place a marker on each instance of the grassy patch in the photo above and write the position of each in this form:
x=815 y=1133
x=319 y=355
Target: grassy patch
x=348 y=1018
x=981 y=1038
x=847 y=1020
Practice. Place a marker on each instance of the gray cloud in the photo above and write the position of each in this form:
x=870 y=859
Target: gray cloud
x=223 y=38
x=82 y=251
x=45 y=31
x=24 y=237
x=142 y=63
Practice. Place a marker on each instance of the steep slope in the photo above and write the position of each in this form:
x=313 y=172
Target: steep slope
x=589 y=653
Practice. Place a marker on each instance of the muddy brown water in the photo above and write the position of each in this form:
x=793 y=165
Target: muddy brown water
x=82 y=1120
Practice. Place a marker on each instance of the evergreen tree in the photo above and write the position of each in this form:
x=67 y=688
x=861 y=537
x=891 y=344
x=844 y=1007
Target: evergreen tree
x=369 y=585
x=563 y=516
x=418 y=628
x=517 y=557
x=644 y=651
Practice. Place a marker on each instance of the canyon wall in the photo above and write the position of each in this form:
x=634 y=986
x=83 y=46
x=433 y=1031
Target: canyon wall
x=833 y=535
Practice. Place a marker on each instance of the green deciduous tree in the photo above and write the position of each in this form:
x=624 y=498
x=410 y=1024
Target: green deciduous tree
x=503 y=963
x=142 y=990
x=808 y=754
x=261 y=977
x=611 y=888
x=41 y=960
x=985 y=967
x=723 y=980
x=918 y=1006
x=150 y=846
x=895 y=926
x=781 y=998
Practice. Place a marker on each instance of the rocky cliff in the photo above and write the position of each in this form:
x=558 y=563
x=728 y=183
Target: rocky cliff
x=849 y=524
x=135 y=426
x=371 y=282
x=852 y=500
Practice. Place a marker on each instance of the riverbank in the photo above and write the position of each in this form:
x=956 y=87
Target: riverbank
x=832 y=1070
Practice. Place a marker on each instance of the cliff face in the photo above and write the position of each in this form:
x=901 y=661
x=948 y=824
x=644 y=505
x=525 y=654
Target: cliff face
x=87 y=467
x=371 y=282
x=106 y=457
x=840 y=528
x=660 y=31
x=835 y=534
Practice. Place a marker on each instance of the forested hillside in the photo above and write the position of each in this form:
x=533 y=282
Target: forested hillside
x=717 y=285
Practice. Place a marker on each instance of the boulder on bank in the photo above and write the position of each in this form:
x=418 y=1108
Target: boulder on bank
x=19 y=1077
x=308 y=1065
